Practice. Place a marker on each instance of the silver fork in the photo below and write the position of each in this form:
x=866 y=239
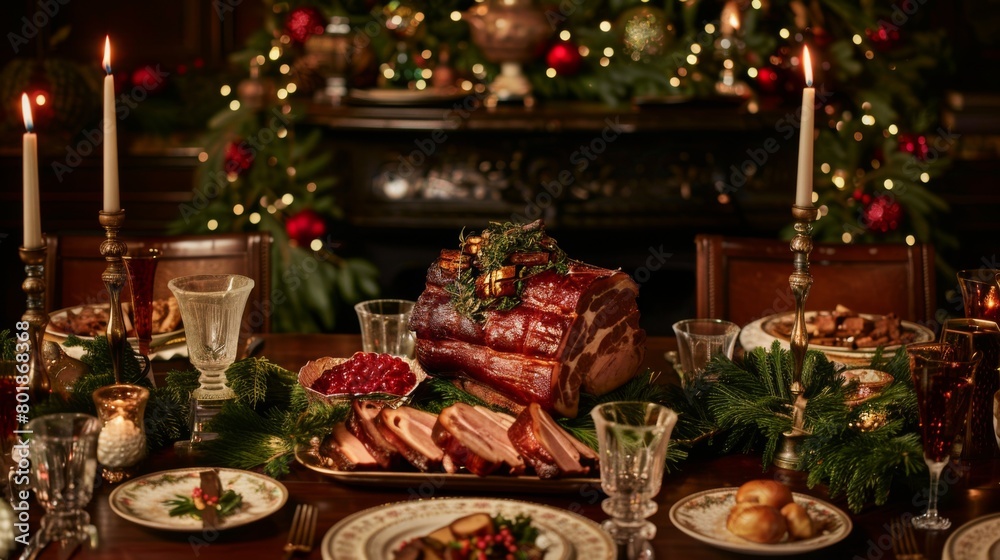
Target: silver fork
x=303 y=531
x=904 y=544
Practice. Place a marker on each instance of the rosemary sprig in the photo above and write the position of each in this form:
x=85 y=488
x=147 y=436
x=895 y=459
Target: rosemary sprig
x=180 y=506
x=498 y=242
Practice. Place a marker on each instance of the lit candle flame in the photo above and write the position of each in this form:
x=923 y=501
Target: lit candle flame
x=107 y=54
x=807 y=63
x=734 y=20
x=29 y=124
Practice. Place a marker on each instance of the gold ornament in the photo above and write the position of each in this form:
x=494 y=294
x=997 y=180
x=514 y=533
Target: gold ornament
x=646 y=32
x=869 y=421
x=403 y=19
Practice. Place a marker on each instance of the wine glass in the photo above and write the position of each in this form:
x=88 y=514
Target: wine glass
x=942 y=375
x=63 y=452
x=212 y=309
x=980 y=293
x=633 y=438
x=141 y=271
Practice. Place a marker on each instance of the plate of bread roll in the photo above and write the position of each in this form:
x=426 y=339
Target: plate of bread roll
x=762 y=517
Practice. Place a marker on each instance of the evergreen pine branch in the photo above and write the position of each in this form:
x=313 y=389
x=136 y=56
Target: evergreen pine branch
x=180 y=385
x=317 y=420
x=247 y=439
x=97 y=358
x=166 y=418
x=255 y=380
x=8 y=342
x=436 y=394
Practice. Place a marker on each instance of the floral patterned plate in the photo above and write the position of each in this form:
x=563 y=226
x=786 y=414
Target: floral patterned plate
x=379 y=531
x=978 y=539
x=141 y=500
x=703 y=516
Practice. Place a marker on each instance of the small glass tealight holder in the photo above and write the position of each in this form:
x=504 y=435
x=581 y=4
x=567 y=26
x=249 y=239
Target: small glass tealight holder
x=122 y=443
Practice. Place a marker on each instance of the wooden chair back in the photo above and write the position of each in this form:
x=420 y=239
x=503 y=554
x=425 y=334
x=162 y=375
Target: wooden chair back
x=742 y=279
x=74 y=266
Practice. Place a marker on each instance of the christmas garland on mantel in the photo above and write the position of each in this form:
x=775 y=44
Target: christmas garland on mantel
x=858 y=452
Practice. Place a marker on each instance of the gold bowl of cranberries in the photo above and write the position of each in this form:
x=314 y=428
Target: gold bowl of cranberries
x=365 y=374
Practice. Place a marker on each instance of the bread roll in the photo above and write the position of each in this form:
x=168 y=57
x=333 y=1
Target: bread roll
x=799 y=523
x=766 y=492
x=757 y=523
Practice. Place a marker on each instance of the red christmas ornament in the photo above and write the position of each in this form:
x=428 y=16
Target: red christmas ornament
x=564 y=57
x=148 y=79
x=883 y=214
x=767 y=79
x=303 y=22
x=884 y=37
x=305 y=226
x=238 y=158
x=915 y=145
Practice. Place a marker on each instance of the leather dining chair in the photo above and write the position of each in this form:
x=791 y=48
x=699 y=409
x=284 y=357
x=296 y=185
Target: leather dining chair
x=74 y=266
x=741 y=279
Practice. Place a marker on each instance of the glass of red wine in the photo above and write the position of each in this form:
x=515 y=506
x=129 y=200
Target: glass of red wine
x=942 y=375
x=141 y=270
x=980 y=294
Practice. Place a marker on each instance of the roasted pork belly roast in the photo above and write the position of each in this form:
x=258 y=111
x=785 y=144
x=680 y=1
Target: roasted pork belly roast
x=345 y=451
x=536 y=332
x=476 y=438
x=547 y=447
x=409 y=431
x=361 y=423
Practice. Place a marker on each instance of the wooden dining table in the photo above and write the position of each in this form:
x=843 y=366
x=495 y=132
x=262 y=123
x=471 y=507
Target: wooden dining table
x=971 y=490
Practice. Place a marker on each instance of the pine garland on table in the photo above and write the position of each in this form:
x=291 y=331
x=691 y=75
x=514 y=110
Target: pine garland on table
x=849 y=451
x=857 y=452
x=166 y=411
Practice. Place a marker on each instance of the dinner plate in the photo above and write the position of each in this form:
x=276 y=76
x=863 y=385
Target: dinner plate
x=758 y=334
x=164 y=352
x=424 y=485
x=141 y=500
x=978 y=539
x=379 y=531
x=703 y=516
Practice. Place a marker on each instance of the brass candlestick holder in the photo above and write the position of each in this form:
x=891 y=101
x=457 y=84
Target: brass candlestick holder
x=114 y=276
x=34 y=314
x=800 y=281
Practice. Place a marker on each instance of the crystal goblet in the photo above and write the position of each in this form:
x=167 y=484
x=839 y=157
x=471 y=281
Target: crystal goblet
x=633 y=438
x=701 y=340
x=385 y=326
x=942 y=375
x=212 y=310
x=63 y=452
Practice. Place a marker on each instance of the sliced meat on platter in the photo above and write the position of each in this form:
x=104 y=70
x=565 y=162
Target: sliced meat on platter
x=476 y=438
x=361 y=423
x=409 y=431
x=547 y=447
x=573 y=331
x=345 y=451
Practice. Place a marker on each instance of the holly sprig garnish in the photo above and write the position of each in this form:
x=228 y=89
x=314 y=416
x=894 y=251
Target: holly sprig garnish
x=226 y=504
